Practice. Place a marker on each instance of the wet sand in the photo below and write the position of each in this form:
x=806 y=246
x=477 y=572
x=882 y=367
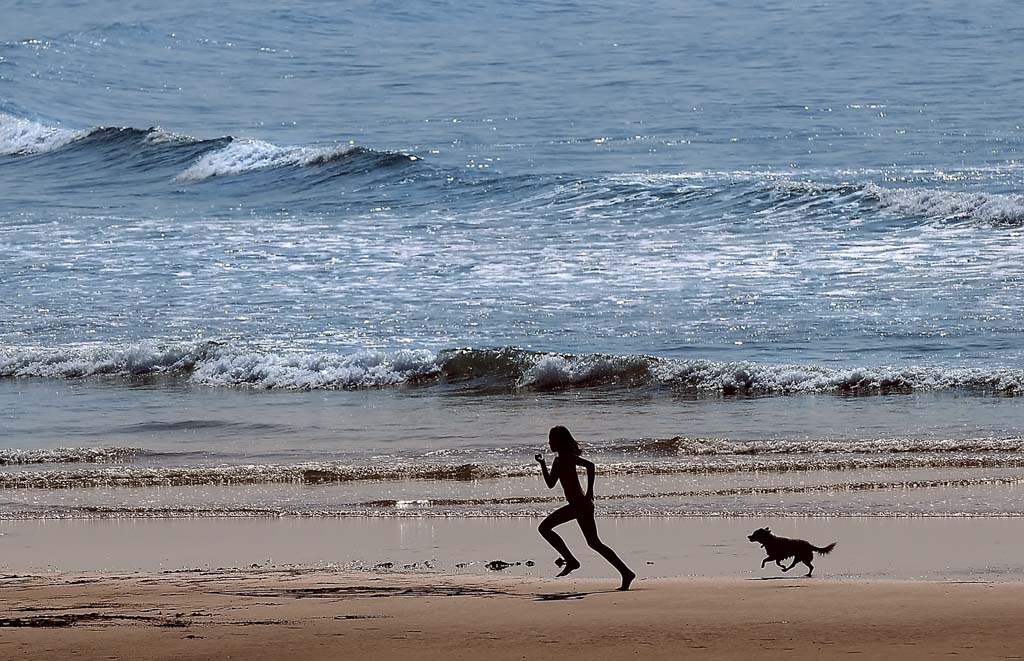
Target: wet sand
x=938 y=548
x=310 y=614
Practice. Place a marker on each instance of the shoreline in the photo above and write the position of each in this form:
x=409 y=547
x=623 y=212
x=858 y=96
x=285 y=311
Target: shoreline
x=316 y=614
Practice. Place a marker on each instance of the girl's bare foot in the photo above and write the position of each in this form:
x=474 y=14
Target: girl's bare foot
x=568 y=566
x=627 y=579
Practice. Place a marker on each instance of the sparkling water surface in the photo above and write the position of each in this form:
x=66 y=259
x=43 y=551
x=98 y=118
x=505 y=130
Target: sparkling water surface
x=441 y=228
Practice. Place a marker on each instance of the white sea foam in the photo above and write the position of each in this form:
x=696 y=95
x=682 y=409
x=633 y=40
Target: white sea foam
x=314 y=371
x=951 y=205
x=23 y=136
x=81 y=361
x=160 y=136
x=220 y=365
x=247 y=155
x=745 y=377
x=807 y=186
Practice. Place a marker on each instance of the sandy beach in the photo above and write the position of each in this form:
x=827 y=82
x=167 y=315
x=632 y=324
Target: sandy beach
x=421 y=589
x=328 y=615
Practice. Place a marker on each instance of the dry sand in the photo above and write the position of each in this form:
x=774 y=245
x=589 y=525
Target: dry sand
x=309 y=614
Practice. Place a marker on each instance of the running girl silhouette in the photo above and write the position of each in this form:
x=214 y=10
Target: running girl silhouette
x=581 y=506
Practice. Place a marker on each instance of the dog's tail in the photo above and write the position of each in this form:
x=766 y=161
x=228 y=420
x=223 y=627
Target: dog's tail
x=825 y=550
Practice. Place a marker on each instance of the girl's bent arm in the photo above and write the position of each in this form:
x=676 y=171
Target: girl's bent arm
x=589 y=465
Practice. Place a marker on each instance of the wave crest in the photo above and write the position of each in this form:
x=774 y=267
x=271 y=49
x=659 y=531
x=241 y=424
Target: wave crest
x=248 y=155
x=22 y=136
x=990 y=208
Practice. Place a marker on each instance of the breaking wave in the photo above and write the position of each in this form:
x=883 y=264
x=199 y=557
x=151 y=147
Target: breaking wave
x=156 y=147
x=84 y=361
x=987 y=208
x=22 y=136
x=365 y=369
x=510 y=368
x=554 y=371
x=247 y=155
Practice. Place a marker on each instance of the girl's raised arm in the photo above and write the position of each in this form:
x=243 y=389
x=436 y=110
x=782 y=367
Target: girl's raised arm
x=550 y=478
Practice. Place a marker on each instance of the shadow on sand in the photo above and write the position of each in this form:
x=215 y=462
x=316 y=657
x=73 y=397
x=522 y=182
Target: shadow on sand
x=564 y=596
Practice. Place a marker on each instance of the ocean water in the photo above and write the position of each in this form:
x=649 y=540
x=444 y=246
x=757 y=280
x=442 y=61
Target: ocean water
x=354 y=259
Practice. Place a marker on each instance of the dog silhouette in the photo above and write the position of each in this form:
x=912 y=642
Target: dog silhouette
x=780 y=548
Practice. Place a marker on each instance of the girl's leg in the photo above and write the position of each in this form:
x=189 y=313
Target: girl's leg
x=589 y=527
x=547 y=530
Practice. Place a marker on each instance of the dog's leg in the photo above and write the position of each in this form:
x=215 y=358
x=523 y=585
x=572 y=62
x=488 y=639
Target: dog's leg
x=791 y=566
x=810 y=568
x=765 y=561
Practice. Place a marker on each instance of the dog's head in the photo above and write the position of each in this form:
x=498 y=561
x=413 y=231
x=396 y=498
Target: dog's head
x=761 y=535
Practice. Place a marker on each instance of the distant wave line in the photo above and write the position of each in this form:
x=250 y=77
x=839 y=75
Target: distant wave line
x=216 y=157
x=195 y=160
